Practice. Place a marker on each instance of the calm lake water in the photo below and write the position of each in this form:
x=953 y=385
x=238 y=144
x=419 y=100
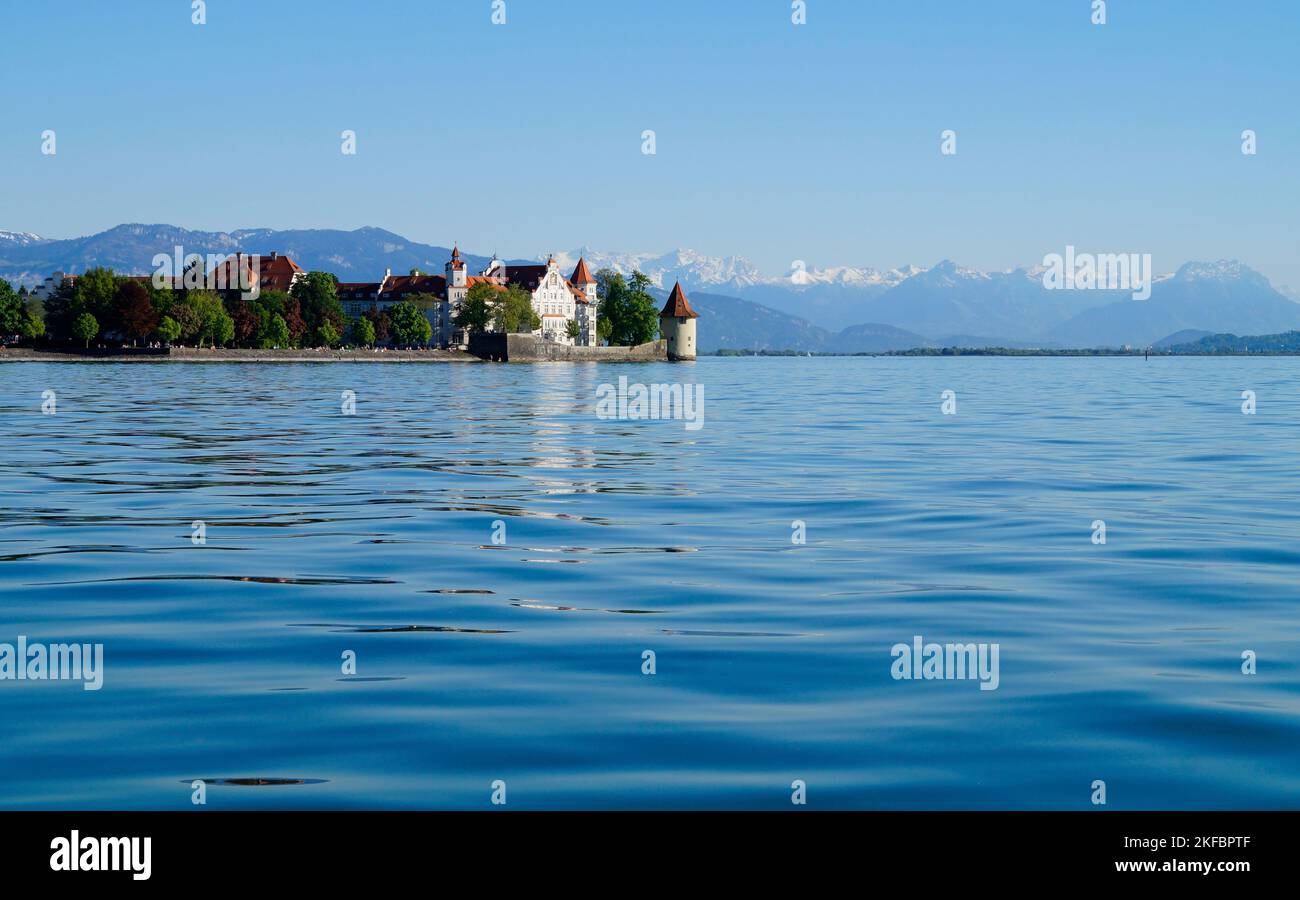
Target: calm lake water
x=522 y=661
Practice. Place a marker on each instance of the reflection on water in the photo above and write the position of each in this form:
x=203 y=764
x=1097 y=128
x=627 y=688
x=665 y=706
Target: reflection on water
x=523 y=661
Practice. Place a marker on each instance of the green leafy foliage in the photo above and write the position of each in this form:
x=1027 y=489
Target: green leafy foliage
x=85 y=327
x=409 y=325
x=476 y=310
x=627 y=314
x=513 y=311
x=168 y=330
x=362 y=331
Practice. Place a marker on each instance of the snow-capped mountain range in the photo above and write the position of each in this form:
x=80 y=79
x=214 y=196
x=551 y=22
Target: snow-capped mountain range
x=694 y=269
x=19 y=239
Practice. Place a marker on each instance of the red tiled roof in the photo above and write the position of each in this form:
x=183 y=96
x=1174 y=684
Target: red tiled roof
x=399 y=286
x=678 y=307
x=275 y=272
x=581 y=275
x=484 y=279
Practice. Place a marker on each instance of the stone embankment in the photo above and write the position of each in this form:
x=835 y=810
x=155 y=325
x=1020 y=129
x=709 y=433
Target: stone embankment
x=489 y=347
x=526 y=348
x=197 y=354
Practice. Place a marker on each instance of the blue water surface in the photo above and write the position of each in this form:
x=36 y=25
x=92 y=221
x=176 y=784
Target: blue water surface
x=523 y=661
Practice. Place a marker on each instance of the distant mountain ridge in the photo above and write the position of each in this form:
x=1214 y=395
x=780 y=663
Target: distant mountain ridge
x=359 y=255
x=845 y=309
x=1218 y=297
x=947 y=304
x=734 y=324
x=20 y=239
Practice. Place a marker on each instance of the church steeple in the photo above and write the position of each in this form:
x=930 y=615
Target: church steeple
x=456 y=274
x=582 y=280
x=581 y=275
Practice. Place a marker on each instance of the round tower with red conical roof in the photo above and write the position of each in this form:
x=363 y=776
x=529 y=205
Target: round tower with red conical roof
x=677 y=322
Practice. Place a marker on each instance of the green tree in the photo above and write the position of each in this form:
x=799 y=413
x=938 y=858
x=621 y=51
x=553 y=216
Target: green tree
x=17 y=315
x=409 y=326
x=33 y=325
x=611 y=296
x=59 y=312
x=222 y=329
x=168 y=330
x=424 y=302
x=13 y=311
x=318 y=298
x=627 y=314
x=96 y=293
x=476 y=310
x=202 y=317
x=326 y=335
x=273 y=303
x=573 y=329
x=513 y=311
x=363 y=332
x=187 y=319
x=85 y=327
x=162 y=299
x=274 y=332
x=640 y=320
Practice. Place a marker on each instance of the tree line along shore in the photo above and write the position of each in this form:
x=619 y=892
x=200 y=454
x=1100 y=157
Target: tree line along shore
x=100 y=312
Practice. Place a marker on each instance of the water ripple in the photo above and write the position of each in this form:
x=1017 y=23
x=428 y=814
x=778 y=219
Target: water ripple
x=621 y=614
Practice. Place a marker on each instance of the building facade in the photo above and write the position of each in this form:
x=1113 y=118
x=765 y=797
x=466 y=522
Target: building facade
x=274 y=272
x=557 y=299
x=565 y=304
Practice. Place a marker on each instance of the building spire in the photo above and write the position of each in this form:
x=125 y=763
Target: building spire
x=582 y=275
x=678 y=307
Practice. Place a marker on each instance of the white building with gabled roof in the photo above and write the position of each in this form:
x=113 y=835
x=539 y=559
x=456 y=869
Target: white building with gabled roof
x=557 y=299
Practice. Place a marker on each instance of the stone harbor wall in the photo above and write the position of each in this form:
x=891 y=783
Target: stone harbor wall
x=490 y=347
x=526 y=348
x=201 y=354
x=356 y=354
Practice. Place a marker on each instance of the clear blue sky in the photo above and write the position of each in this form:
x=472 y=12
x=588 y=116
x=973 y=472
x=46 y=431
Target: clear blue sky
x=776 y=142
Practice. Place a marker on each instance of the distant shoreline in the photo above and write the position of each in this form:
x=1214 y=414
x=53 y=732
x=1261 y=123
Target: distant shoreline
x=362 y=356
x=1001 y=351
x=514 y=348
